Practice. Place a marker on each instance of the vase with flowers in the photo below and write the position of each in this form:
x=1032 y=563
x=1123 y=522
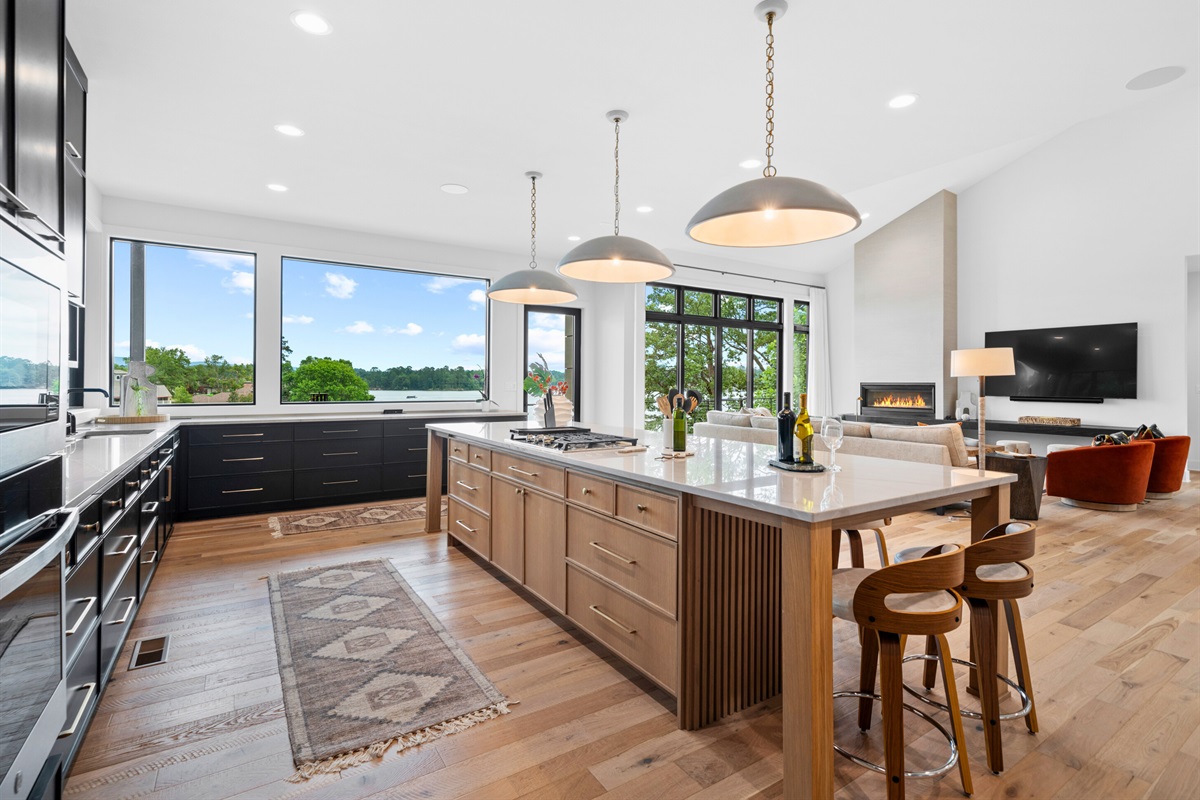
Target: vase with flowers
x=553 y=407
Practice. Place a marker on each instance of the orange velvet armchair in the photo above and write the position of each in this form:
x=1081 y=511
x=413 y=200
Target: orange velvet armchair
x=1170 y=460
x=1106 y=478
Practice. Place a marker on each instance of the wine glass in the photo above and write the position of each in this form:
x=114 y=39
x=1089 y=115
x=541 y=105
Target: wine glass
x=832 y=435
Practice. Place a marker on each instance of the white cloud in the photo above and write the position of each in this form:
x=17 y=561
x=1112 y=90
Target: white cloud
x=225 y=261
x=190 y=350
x=121 y=345
x=239 y=281
x=361 y=326
x=442 y=283
x=477 y=296
x=248 y=315
x=550 y=343
x=339 y=286
x=470 y=343
x=540 y=319
x=296 y=319
x=411 y=329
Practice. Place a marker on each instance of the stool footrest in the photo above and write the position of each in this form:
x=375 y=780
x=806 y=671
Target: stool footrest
x=933 y=773
x=1026 y=703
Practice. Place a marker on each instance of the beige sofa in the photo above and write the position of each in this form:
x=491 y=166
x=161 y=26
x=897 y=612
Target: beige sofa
x=931 y=444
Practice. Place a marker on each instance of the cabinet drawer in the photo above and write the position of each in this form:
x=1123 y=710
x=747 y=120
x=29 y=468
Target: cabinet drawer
x=337 y=482
x=546 y=477
x=405 y=448
x=81 y=602
x=471 y=486
x=479 y=456
x=239 y=490
x=355 y=429
x=469 y=527
x=650 y=510
x=131 y=485
x=87 y=533
x=595 y=493
x=336 y=453
x=118 y=551
x=408 y=478
x=117 y=618
x=147 y=563
x=111 y=504
x=644 y=638
x=239 y=459
x=640 y=562
x=239 y=434
x=458 y=450
x=83 y=693
x=406 y=427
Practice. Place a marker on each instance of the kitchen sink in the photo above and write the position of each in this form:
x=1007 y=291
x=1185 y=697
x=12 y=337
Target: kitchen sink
x=92 y=434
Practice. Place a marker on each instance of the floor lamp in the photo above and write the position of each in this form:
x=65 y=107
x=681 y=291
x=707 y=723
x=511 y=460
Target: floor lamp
x=981 y=363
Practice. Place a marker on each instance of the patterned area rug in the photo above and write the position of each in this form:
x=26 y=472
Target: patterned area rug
x=348 y=517
x=366 y=666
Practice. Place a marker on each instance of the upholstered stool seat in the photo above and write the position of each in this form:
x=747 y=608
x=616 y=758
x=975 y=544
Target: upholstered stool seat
x=846 y=581
x=1105 y=478
x=1169 y=465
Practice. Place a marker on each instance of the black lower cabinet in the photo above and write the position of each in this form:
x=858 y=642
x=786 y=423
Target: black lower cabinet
x=318 y=484
x=117 y=618
x=234 y=491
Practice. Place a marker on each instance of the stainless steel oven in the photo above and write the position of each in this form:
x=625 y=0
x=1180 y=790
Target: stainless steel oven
x=33 y=533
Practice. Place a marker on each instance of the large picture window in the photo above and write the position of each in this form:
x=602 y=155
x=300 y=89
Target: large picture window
x=724 y=345
x=353 y=333
x=188 y=312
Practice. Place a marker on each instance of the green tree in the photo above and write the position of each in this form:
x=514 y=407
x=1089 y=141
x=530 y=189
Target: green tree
x=334 y=377
x=172 y=368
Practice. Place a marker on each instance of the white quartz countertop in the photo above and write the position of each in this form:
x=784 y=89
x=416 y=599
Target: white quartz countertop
x=90 y=462
x=738 y=473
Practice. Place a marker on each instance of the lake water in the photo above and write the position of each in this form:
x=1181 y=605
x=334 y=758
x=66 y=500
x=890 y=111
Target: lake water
x=389 y=396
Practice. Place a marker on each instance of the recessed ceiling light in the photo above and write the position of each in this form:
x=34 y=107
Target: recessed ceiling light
x=289 y=130
x=645 y=209
x=310 y=22
x=902 y=101
x=750 y=163
x=277 y=187
x=1155 y=78
x=572 y=238
x=454 y=188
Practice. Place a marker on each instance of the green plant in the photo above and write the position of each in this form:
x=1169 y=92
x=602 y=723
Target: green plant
x=540 y=379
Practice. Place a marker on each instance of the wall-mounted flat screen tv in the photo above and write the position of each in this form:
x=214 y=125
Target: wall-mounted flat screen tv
x=1085 y=363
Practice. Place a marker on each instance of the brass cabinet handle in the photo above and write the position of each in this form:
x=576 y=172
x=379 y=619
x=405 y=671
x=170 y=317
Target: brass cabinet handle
x=628 y=630
x=463 y=525
x=618 y=556
x=133 y=484
x=347 y=453
x=87 y=609
x=519 y=491
x=239 y=435
x=465 y=486
x=128 y=610
x=90 y=688
x=132 y=537
x=115 y=503
x=91 y=526
x=586 y=490
x=153 y=463
x=640 y=507
x=523 y=472
x=337 y=483
x=151 y=558
x=170 y=482
x=232 y=460
x=479 y=456
x=241 y=491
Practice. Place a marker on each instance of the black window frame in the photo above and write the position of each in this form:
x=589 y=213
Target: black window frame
x=577 y=313
x=805 y=329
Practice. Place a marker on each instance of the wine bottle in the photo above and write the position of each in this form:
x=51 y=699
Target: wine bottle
x=786 y=446
x=679 y=427
x=804 y=432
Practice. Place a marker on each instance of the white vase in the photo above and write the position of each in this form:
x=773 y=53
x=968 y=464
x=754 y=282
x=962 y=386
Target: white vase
x=537 y=413
x=564 y=410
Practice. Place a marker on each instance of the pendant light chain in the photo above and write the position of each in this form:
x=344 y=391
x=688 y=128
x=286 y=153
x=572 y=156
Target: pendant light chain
x=617 y=178
x=532 y=222
x=769 y=169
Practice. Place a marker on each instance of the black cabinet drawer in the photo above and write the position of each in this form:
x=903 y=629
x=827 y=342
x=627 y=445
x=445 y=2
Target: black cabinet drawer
x=407 y=427
x=112 y=503
x=118 y=551
x=338 y=430
x=337 y=482
x=408 y=478
x=239 y=434
x=117 y=618
x=338 y=453
x=131 y=484
x=406 y=448
x=81 y=602
x=239 y=490
x=83 y=695
x=87 y=533
x=147 y=562
x=239 y=459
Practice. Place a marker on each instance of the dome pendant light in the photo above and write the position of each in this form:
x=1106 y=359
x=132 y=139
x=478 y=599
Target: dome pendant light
x=616 y=258
x=532 y=286
x=772 y=211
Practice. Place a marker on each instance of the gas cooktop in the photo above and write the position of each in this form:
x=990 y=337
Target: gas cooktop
x=570 y=439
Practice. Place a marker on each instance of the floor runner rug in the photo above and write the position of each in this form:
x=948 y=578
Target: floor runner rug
x=349 y=517
x=367 y=667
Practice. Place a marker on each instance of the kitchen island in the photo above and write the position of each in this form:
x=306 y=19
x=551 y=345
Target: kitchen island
x=709 y=574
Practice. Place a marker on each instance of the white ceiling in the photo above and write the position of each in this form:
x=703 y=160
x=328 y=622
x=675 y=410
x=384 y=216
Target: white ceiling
x=404 y=96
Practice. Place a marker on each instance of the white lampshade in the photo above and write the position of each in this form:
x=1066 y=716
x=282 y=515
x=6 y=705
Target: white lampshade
x=982 y=362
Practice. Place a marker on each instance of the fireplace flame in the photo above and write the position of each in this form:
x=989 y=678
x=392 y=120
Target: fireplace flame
x=899 y=401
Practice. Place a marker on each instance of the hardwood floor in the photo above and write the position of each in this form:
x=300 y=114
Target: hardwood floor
x=1113 y=628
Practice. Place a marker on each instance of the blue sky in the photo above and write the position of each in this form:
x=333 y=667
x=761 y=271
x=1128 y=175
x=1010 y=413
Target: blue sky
x=202 y=301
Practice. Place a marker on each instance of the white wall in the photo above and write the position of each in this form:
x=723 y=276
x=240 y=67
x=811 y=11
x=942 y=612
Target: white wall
x=839 y=285
x=1091 y=228
x=1193 y=359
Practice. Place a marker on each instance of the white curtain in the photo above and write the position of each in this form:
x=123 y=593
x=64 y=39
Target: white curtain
x=820 y=382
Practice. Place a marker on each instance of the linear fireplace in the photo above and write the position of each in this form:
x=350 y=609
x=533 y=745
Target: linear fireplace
x=898 y=401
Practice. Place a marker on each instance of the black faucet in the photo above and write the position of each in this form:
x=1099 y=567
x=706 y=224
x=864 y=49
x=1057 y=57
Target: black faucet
x=101 y=391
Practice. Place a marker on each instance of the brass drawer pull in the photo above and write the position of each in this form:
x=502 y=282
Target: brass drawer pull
x=115 y=503
x=87 y=609
x=133 y=484
x=128 y=610
x=479 y=456
x=147 y=471
x=239 y=435
x=604 y=549
x=523 y=472
x=91 y=526
x=132 y=541
x=519 y=491
x=153 y=463
x=640 y=507
x=151 y=558
x=232 y=460
x=586 y=491
x=241 y=491
x=337 y=483
x=463 y=525
x=90 y=688
x=465 y=486
x=347 y=453
x=170 y=482
x=630 y=631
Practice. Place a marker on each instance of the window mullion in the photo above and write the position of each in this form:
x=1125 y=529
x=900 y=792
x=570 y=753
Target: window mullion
x=137 y=301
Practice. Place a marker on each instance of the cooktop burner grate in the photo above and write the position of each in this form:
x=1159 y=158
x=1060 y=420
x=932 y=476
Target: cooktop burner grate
x=569 y=439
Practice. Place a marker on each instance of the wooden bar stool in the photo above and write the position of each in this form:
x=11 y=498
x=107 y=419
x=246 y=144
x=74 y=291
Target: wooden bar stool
x=994 y=576
x=854 y=536
x=917 y=598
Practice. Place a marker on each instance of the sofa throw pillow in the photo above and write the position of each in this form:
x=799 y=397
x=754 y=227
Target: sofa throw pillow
x=949 y=436
x=728 y=418
x=763 y=423
x=859 y=429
